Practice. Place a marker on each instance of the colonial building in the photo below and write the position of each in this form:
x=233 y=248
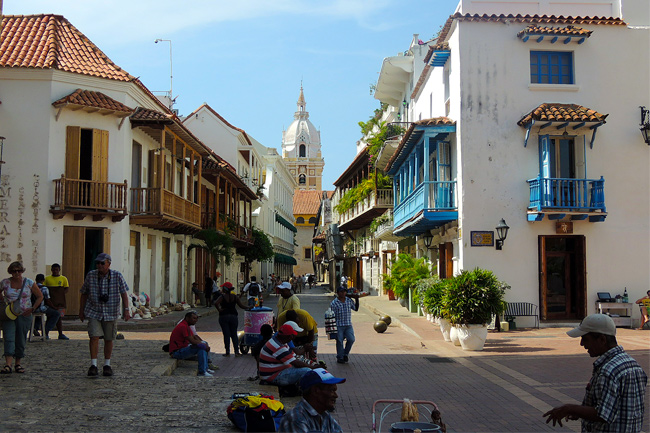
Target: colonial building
x=301 y=149
x=305 y=213
x=514 y=117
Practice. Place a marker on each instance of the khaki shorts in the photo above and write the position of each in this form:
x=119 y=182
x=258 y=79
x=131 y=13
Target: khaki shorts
x=102 y=328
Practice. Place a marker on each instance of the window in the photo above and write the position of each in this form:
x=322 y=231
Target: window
x=561 y=158
x=312 y=220
x=303 y=151
x=307 y=253
x=551 y=67
x=300 y=220
x=302 y=179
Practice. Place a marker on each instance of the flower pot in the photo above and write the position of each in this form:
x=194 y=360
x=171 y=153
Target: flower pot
x=403 y=302
x=472 y=337
x=453 y=335
x=391 y=295
x=445 y=327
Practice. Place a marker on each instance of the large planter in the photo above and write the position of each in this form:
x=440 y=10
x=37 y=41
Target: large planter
x=445 y=328
x=453 y=335
x=391 y=295
x=472 y=337
x=403 y=302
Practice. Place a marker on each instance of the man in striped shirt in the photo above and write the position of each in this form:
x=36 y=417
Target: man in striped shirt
x=278 y=364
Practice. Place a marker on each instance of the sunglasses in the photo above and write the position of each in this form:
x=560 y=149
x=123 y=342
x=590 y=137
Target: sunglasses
x=101 y=263
x=16 y=270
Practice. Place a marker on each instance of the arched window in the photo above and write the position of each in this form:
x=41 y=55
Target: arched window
x=302 y=179
x=302 y=151
x=300 y=220
x=312 y=220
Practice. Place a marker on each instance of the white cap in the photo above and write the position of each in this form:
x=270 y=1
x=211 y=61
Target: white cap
x=598 y=323
x=294 y=325
x=285 y=285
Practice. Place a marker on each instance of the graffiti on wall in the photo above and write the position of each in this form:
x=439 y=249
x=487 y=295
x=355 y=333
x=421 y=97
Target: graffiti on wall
x=5 y=195
x=11 y=228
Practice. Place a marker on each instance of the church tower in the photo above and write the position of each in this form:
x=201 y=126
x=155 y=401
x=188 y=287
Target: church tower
x=301 y=149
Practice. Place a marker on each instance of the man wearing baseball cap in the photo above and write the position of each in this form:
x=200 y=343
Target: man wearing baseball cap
x=278 y=363
x=613 y=401
x=312 y=413
x=287 y=300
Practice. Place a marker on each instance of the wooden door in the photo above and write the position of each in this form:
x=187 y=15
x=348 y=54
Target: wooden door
x=73 y=265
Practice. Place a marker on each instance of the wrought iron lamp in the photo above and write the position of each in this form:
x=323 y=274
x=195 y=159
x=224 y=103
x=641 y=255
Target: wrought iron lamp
x=428 y=239
x=645 y=124
x=502 y=233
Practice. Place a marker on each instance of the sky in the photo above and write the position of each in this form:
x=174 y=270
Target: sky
x=247 y=58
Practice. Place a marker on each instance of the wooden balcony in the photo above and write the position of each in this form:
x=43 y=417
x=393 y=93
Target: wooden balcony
x=227 y=225
x=367 y=209
x=560 y=197
x=83 y=198
x=161 y=209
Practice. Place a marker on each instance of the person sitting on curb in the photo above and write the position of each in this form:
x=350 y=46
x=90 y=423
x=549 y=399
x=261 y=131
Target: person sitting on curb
x=312 y=413
x=184 y=344
x=47 y=307
x=645 y=309
x=308 y=337
x=278 y=363
x=266 y=331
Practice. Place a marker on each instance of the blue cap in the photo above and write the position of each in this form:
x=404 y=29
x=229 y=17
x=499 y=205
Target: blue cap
x=318 y=376
x=103 y=257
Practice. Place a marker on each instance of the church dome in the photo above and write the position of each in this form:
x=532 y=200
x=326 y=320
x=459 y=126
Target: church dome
x=301 y=129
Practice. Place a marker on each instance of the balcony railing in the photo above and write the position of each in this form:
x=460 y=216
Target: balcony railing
x=567 y=194
x=146 y=202
x=89 y=196
x=381 y=199
x=430 y=196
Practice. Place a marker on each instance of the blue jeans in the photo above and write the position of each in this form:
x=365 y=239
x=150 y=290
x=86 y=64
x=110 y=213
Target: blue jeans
x=52 y=315
x=344 y=333
x=290 y=376
x=190 y=351
x=228 y=323
x=15 y=335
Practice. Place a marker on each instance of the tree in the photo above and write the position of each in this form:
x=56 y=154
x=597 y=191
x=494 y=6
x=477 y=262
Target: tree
x=215 y=244
x=260 y=251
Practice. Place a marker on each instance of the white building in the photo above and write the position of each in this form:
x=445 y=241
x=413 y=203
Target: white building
x=528 y=111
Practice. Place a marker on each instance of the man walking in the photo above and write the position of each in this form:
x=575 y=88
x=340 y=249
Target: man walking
x=613 y=400
x=58 y=285
x=287 y=300
x=252 y=291
x=100 y=303
x=342 y=307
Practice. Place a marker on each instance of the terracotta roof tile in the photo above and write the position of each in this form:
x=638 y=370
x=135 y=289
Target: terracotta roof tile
x=555 y=31
x=550 y=112
x=51 y=42
x=142 y=114
x=436 y=121
x=87 y=98
x=441 y=46
x=306 y=202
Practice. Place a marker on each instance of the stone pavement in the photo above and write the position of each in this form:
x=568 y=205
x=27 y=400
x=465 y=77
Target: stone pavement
x=506 y=387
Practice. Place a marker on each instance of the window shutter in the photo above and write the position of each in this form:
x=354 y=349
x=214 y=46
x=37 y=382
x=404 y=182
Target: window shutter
x=72 y=145
x=581 y=158
x=545 y=156
x=153 y=169
x=100 y=156
x=107 y=241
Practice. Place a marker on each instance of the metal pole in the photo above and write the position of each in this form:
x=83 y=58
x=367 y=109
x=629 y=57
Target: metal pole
x=171 y=72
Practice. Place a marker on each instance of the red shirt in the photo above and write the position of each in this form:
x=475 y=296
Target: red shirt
x=179 y=337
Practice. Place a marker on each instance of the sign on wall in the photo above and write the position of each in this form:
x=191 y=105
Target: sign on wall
x=482 y=238
x=563 y=228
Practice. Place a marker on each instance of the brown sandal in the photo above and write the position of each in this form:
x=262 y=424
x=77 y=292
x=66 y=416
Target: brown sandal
x=19 y=369
x=6 y=370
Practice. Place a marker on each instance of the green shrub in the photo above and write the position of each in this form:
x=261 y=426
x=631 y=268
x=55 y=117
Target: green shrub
x=429 y=293
x=405 y=273
x=472 y=297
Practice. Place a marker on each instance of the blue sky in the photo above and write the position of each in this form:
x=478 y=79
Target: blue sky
x=247 y=58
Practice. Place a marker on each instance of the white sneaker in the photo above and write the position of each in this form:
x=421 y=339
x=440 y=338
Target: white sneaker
x=206 y=374
x=210 y=371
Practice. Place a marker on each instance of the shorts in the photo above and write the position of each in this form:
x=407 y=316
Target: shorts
x=102 y=328
x=57 y=295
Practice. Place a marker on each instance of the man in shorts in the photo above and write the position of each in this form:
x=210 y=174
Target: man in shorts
x=58 y=285
x=100 y=303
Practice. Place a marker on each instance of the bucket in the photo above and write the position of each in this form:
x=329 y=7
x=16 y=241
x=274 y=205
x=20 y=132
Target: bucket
x=253 y=321
x=410 y=426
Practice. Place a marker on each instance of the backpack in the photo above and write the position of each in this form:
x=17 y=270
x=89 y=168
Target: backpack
x=254 y=289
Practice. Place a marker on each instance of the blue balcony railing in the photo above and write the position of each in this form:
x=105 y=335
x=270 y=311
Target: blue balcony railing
x=567 y=194
x=427 y=196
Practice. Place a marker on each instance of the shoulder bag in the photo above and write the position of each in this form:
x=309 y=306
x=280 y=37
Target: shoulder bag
x=11 y=310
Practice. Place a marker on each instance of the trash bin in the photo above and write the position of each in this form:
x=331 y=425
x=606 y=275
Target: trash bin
x=253 y=321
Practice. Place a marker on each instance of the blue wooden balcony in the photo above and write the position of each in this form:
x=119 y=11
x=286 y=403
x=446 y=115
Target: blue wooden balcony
x=560 y=197
x=430 y=205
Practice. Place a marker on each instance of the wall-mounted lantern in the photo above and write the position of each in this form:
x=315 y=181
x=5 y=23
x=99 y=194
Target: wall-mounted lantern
x=502 y=233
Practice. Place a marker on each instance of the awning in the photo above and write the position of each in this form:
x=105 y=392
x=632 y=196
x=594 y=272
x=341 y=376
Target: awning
x=283 y=258
x=285 y=223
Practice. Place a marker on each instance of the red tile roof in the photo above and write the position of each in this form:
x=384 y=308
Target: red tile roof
x=146 y=115
x=206 y=106
x=87 y=98
x=436 y=121
x=306 y=202
x=551 y=112
x=555 y=31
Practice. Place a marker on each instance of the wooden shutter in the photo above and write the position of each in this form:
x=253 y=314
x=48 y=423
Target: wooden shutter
x=73 y=265
x=106 y=248
x=100 y=155
x=72 y=146
x=542 y=276
x=545 y=156
x=153 y=169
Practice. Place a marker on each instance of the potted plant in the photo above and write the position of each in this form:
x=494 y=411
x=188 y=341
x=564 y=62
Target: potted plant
x=469 y=302
x=388 y=287
x=430 y=293
x=405 y=272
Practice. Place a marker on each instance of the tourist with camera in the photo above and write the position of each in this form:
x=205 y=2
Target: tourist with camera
x=101 y=293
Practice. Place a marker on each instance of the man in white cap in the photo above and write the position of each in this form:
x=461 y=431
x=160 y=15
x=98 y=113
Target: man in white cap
x=312 y=413
x=613 y=401
x=287 y=300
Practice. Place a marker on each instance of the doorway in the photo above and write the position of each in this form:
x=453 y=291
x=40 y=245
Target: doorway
x=80 y=247
x=562 y=277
